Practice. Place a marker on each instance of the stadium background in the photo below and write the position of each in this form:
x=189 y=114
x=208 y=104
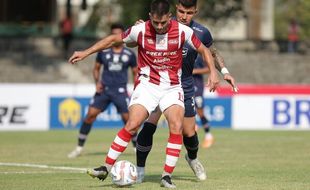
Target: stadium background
x=248 y=37
x=40 y=91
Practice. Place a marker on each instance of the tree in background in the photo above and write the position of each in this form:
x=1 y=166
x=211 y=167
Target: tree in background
x=134 y=10
x=214 y=10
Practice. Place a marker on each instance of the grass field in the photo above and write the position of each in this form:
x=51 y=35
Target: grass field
x=244 y=160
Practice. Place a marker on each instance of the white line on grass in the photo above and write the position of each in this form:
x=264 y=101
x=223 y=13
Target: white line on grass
x=38 y=172
x=81 y=170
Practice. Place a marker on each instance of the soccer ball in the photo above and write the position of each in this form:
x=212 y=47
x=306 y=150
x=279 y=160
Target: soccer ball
x=124 y=173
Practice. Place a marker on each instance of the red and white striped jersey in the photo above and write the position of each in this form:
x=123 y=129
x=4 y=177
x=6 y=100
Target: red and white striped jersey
x=160 y=55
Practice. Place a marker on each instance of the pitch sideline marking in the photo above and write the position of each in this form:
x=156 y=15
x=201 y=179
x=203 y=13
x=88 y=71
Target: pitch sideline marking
x=43 y=166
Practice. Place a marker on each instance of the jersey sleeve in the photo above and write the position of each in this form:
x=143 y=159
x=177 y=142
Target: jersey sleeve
x=131 y=34
x=207 y=39
x=190 y=37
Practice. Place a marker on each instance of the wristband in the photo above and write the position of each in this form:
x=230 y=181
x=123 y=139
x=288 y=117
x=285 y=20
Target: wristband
x=224 y=71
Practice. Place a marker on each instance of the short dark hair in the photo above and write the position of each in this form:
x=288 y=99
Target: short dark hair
x=117 y=26
x=188 y=3
x=160 y=7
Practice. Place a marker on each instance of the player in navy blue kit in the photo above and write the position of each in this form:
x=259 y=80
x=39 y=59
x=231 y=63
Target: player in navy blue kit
x=199 y=70
x=186 y=9
x=111 y=88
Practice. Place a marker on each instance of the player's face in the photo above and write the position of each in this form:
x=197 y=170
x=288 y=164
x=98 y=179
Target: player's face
x=160 y=24
x=117 y=31
x=185 y=15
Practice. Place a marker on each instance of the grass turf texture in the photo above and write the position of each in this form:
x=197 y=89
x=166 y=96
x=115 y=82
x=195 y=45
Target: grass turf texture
x=238 y=160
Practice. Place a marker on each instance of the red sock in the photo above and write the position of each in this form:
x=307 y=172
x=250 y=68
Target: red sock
x=173 y=150
x=118 y=146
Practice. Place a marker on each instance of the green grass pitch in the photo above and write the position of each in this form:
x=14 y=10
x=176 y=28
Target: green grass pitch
x=245 y=160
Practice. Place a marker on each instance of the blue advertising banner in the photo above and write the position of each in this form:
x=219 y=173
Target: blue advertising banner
x=218 y=111
x=68 y=113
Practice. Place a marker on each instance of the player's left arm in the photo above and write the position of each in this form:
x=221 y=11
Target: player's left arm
x=220 y=66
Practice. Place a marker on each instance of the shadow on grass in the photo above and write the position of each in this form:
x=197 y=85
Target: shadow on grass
x=104 y=153
x=157 y=178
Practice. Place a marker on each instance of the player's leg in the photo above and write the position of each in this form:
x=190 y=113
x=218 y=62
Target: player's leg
x=121 y=100
x=190 y=139
x=140 y=106
x=145 y=142
x=98 y=103
x=137 y=114
x=208 y=140
x=172 y=105
x=174 y=115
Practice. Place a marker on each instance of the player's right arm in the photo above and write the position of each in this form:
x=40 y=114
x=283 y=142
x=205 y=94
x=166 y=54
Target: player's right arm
x=105 y=43
x=206 y=55
x=96 y=72
x=220 y=66
x=96 y=76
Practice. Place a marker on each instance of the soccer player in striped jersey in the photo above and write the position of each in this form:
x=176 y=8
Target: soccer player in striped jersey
x=160 y=42
x=191 y=69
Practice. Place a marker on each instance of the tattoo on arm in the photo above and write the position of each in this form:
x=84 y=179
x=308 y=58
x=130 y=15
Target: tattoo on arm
x=218 y=59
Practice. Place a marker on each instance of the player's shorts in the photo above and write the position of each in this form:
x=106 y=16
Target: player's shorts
x=190 y=110
x=116 y=95
x=199 y=87
x=150 y=96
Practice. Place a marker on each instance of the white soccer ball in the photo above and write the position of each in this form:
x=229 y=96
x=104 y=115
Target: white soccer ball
x=124 y=173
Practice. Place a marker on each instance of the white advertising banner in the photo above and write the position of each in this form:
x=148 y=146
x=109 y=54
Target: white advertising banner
x=63 y=106
x=271 y=112
x=26 y=106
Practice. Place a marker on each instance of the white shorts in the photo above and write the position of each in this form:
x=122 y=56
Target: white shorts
x=150 y=96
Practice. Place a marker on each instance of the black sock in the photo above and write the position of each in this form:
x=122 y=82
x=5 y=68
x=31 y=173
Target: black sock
x=144 y=143
x=205 y=124
x=191 y=145
x=84 y=131
x=134 y=140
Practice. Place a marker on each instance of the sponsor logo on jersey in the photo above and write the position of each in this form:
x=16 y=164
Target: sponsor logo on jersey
x=150 y=41
x=197 y=29
x=173 y=41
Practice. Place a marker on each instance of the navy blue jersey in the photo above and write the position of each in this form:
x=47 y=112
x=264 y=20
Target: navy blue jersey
x=198 y=78
x=115 y=66
x=189 y=57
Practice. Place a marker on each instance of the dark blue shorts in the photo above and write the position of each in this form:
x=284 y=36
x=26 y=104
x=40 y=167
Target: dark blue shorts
x=189 y=105
x=118 y=96
x=199 y=87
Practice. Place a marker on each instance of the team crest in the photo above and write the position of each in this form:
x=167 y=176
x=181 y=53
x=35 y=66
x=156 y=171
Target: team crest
x=184 y=52
x=125 y=58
